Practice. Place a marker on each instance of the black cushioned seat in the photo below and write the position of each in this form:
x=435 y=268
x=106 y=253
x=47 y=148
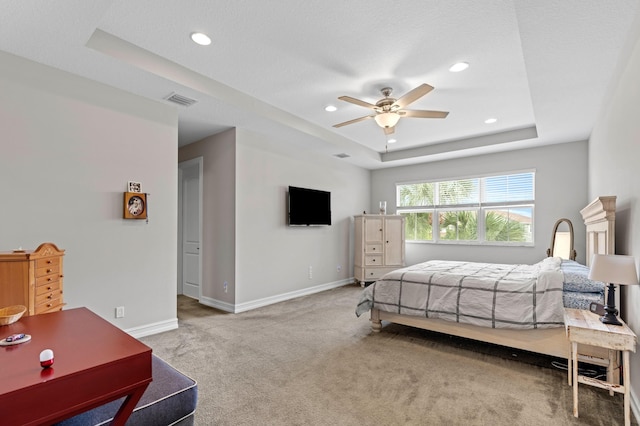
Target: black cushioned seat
x=170 y=399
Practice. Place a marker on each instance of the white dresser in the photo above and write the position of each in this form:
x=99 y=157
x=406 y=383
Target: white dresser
x=379 y=246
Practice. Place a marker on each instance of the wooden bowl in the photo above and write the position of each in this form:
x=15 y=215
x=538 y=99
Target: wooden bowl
x=11 y=314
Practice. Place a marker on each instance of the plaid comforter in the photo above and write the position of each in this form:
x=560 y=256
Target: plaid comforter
x=484 y=294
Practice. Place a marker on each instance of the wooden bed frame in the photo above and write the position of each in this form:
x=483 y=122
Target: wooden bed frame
x=599 y=218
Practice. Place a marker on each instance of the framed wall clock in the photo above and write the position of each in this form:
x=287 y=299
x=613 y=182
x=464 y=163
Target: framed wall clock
x=135 y=205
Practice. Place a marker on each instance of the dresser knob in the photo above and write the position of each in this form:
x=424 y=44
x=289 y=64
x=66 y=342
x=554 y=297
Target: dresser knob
x=48 y=261
x=49 y=288
x=48 y=279
x=50 y=296
x=49 y=270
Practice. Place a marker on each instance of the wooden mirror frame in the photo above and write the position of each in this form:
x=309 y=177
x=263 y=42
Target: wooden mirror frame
x=572 y=252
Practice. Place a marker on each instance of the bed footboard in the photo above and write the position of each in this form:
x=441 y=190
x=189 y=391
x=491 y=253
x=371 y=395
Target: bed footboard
x=548 y=341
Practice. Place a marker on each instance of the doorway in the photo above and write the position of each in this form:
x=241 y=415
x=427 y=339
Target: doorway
x=190 y=228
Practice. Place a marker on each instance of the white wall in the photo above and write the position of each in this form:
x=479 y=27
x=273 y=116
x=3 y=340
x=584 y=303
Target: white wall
x=561 y=191
x=614 y=152
x=246 y=240
x=68 y=147
x=273 y=258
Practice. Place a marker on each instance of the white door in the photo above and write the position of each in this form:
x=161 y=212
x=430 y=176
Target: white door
x=191 y=232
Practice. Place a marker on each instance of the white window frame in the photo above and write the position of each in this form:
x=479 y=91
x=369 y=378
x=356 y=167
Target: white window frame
x=480 y=208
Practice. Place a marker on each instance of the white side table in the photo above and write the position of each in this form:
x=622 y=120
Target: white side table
x=585 y=328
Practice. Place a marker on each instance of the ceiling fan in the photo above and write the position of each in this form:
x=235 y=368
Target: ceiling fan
x=389 y=110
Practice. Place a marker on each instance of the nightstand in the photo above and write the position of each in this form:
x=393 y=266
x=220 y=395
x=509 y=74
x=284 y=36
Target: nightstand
x=585 y=328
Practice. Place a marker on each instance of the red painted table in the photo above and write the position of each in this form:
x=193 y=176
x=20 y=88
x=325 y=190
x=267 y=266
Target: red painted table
x=95 y=362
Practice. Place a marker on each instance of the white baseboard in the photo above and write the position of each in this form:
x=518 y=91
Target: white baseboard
x=218 y=304
x=155 y=328
x=258 y=303
x=160 y=327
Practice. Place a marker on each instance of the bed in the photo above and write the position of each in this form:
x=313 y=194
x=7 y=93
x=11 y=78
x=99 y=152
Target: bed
x=523 y=306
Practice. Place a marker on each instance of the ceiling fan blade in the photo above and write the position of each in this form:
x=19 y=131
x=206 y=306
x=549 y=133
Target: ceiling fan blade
x=413 y=95
x=356 y=120
x=389 y=130
x=357 y=102
x=424 y=113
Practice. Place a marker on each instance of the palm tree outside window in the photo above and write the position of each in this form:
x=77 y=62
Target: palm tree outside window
x=495 y=209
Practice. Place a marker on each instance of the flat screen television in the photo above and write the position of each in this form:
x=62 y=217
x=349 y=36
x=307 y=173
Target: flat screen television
x=309 y=207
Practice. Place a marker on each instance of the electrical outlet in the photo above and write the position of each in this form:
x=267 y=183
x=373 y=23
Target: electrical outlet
x=310 y=272
x=120 y=312
x=225 y=286
x=339 y=268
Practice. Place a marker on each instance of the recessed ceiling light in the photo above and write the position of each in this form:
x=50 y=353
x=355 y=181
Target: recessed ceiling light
x=201 y=38
x=330 y=108
x=490 y=120
x=392 y=141
x=460 y=66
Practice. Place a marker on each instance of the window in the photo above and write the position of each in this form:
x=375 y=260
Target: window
x=480 y=210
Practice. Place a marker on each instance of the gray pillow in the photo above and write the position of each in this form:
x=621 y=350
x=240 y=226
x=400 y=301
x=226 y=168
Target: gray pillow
x=576 y=278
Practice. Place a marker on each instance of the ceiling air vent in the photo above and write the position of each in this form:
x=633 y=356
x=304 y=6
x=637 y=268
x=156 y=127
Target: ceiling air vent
x=343 y=155
x=180 y=99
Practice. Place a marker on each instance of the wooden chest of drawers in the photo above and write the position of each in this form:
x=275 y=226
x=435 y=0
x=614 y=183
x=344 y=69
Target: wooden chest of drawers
x=33 y=278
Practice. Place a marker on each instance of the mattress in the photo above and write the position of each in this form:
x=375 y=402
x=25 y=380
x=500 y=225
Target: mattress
x=485 y=294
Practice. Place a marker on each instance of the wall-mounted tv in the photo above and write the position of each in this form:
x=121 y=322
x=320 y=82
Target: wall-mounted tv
x=309 y=207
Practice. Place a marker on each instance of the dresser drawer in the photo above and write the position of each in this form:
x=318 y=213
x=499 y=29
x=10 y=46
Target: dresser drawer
x=47 y=266
x=48 y=286
x=47 y=280
x=372 y=259
x=48 y=296
x=371 y=274
x=373 y=248
x=49 y=305
x=47 y=261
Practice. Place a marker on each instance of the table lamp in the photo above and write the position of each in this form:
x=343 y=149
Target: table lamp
x=611 y=268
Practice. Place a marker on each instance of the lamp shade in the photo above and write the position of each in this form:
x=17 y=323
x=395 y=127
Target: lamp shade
x=614 y=269
x=387 y=119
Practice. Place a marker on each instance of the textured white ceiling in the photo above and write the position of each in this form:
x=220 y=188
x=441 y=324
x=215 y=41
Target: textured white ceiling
x=541 y=67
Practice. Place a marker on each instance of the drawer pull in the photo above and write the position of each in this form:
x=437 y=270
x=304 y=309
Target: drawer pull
x=50 y=296
x=48 y=261
x=373 y=260
x=49 y=305
x=49 y=288
x=49 y=270
x=49 y=279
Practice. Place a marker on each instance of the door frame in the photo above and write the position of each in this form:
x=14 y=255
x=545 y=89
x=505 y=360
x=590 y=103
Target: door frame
x=198 y=161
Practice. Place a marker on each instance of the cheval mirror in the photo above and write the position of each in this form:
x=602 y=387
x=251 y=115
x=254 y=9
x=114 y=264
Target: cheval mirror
x=562 y=240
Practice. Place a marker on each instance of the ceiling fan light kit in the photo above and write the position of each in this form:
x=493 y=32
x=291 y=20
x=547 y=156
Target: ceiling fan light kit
x=388 y=110
x=387 y=119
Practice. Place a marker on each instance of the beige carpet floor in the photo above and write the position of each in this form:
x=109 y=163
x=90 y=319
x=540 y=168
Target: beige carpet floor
x=311 y=361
